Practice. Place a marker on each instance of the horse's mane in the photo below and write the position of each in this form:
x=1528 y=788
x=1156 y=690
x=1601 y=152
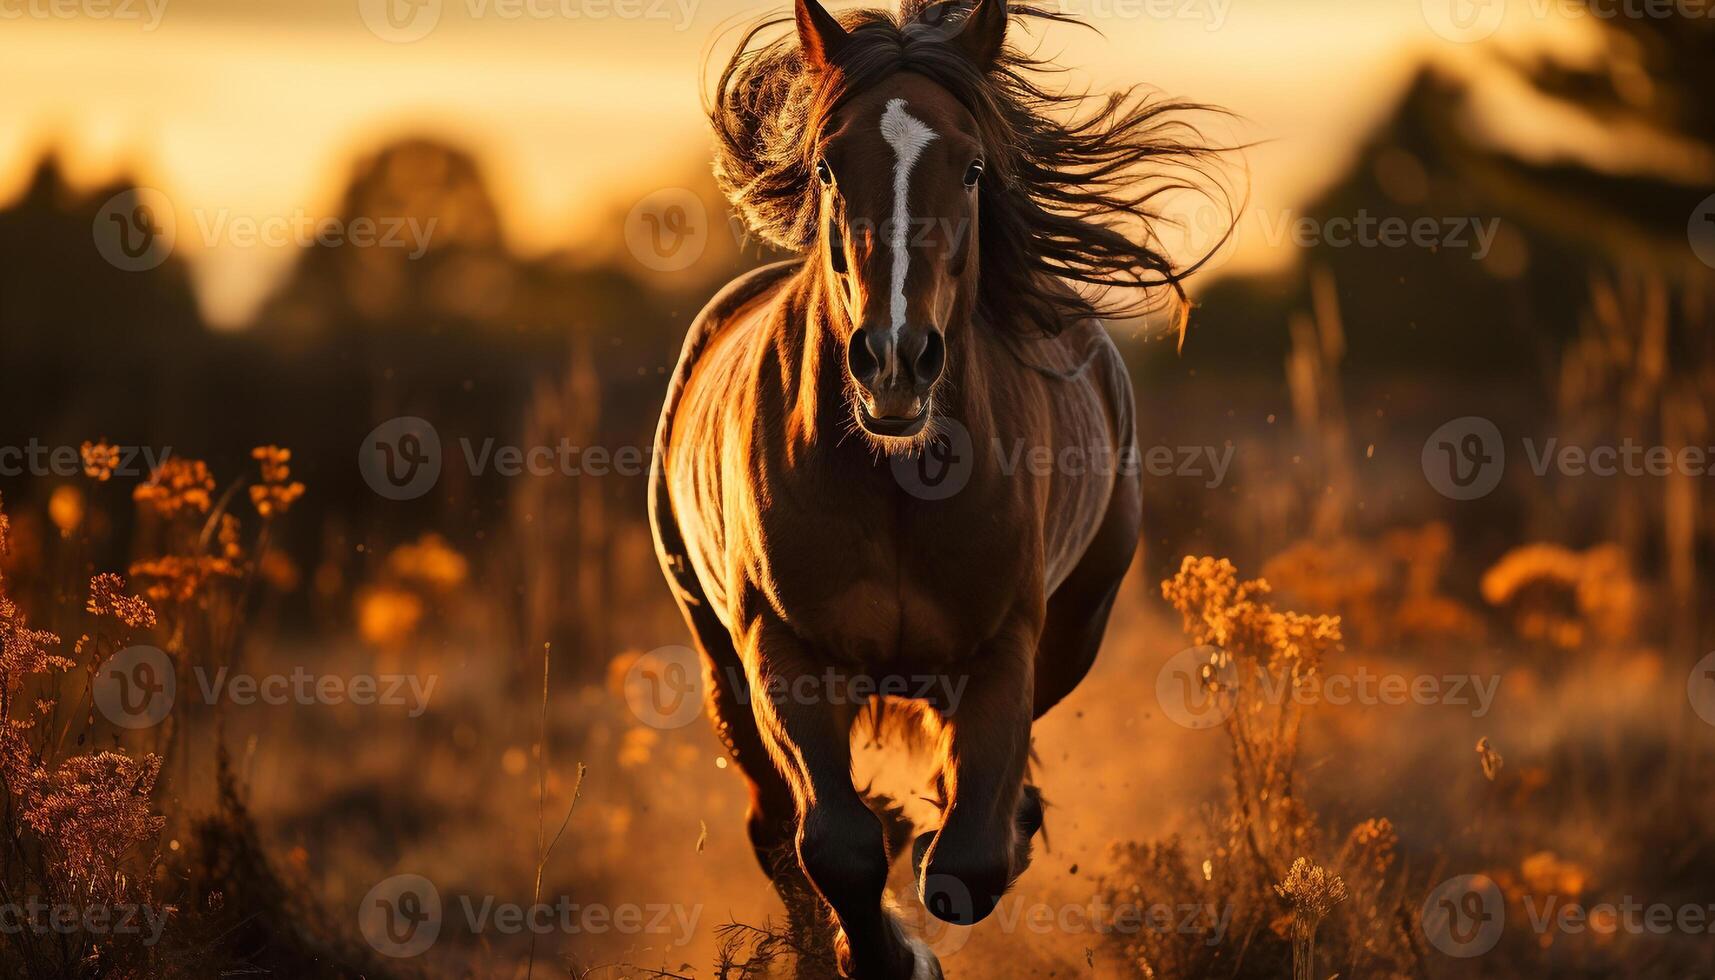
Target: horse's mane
x=1064 y=193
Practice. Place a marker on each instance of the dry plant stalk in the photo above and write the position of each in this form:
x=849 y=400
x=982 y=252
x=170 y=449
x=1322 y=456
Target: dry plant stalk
x=1319 y=406
x=1253 y=873
x=1313 y=892
x=1262 y=651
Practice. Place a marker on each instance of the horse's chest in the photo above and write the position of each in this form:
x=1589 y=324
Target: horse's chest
x=917 y=585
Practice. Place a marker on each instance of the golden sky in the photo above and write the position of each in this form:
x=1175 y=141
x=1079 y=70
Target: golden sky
x=576 y=108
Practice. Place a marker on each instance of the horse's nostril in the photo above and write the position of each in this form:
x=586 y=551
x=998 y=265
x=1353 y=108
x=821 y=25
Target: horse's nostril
x=861 y=358
x=931 y=360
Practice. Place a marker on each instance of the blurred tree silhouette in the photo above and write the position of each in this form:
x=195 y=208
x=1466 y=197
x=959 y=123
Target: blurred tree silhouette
x=1431 y=334
x=466 y=334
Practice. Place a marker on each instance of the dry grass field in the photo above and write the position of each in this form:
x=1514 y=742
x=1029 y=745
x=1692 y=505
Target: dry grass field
x=333 y=641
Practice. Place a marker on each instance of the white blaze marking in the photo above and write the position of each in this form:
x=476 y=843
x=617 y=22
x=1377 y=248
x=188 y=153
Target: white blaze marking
x=908 y=135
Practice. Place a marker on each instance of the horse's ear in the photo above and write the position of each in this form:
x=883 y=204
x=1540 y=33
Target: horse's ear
x=983 y=32
x=819 y=34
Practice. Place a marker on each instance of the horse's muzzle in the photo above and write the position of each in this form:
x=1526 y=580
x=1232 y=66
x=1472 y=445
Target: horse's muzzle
x=894 y=373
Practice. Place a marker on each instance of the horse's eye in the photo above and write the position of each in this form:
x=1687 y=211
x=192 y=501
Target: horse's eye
x=973 y=173
x=824 y=173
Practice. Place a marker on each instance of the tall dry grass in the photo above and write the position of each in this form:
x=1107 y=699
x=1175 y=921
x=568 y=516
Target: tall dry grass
x=93 y=815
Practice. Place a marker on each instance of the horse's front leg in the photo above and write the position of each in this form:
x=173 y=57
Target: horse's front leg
x=841 y=844
x=987 y=820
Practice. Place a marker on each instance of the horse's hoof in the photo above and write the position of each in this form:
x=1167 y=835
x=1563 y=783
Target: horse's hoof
x=922 y=965
x=958 y=891
x=947 y=899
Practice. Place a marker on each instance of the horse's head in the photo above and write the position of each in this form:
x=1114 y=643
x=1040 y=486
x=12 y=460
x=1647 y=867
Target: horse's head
x=899 y=162
x=907 y=152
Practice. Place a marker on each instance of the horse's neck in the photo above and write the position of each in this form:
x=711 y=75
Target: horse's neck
x=805 y=342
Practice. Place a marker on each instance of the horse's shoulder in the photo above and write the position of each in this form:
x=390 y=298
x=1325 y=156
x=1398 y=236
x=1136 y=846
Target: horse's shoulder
x=720 y=311
x=670 y=544
x=1090 y=333
x=1081 y=349
x=742 y=292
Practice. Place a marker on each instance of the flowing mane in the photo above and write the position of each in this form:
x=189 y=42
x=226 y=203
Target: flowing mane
x=1077 y=174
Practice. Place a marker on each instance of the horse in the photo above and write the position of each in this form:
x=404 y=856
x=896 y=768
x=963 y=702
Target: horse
x=908 y=455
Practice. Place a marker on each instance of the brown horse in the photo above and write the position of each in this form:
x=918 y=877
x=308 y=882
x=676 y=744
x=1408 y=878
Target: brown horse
x=903 y=470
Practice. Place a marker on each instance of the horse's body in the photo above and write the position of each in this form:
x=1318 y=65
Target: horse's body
x=808 y=551
x=796 y=550
x=777 y=502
